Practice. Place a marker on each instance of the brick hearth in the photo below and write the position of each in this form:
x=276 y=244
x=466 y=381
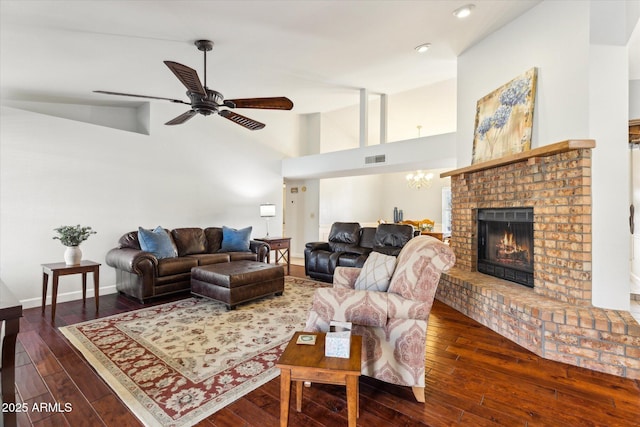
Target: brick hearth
x=555 y=319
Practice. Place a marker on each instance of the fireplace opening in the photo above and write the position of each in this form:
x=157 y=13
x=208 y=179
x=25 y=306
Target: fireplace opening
x=505 y=244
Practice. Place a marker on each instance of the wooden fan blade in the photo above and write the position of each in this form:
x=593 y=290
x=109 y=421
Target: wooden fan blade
x=276 y=103
x=141 y=96
x=188 y=77
x=181 y=118
x=241 y=120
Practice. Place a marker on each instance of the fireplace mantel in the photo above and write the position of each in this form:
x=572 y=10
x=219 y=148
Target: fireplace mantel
x=544 y=151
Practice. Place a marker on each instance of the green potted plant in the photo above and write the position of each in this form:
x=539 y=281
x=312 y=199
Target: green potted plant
x=71 y=236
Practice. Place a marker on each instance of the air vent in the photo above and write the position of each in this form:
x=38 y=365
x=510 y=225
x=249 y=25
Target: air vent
x=381 y=158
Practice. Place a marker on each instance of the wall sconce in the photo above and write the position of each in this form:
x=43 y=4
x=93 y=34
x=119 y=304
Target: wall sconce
x=419 y=180
x=267 y=211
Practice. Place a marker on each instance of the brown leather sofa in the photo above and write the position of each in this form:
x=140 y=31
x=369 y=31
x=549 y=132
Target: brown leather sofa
x=350 y=244
x=142 y=276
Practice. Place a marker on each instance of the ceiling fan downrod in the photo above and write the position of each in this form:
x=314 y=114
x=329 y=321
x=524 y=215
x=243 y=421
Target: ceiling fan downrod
x=204 y=46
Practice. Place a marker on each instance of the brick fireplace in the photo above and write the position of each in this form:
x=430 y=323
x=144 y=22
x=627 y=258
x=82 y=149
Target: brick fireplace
x=555 y=319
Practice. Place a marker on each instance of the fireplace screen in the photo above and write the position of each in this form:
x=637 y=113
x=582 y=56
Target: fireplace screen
x=505 y=244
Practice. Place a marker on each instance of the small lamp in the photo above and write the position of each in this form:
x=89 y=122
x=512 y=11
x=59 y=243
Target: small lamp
x=267 y=211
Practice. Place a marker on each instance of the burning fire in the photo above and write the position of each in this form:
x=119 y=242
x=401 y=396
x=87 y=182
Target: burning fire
x=509 y=242
x=510 y=251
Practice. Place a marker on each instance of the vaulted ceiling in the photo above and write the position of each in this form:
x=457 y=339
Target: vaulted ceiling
x=318 y=53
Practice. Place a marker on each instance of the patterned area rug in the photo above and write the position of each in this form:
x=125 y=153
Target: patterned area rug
x=177 y=363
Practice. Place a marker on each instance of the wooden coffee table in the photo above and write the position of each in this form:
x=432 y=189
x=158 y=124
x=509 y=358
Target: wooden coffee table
x=301 y=363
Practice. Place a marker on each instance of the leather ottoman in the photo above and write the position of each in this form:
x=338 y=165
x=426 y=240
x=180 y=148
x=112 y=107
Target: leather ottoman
x=236 y=282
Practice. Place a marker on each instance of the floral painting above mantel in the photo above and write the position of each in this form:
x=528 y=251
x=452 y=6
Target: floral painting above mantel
x=504 y=119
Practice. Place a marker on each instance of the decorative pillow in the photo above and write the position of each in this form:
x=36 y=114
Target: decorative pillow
x=189 y=241
x=157 y=242
x=235 y=240
x=376 y=272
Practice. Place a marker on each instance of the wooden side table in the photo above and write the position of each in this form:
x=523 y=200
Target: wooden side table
x=61 y=269
x=301 y=363
x=10 y=314
x=282 y=248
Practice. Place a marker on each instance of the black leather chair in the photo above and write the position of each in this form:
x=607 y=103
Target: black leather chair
x=390 y=238
x=349 y=246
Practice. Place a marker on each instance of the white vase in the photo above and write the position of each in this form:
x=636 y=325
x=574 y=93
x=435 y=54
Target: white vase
x=72 y=255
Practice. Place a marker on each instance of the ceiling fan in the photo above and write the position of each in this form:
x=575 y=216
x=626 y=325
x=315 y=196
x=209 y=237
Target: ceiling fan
x=206 y=101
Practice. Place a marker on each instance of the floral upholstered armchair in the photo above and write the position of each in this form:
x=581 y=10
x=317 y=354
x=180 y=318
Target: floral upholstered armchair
x=393 y=321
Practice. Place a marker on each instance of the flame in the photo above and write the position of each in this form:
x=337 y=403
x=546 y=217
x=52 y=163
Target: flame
x=509 y=244
x=508 y=240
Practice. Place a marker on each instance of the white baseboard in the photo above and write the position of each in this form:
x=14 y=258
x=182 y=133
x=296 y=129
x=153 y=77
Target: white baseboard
x=67 y=296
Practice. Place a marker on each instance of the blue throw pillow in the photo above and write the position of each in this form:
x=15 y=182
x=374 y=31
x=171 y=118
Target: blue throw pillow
x=235 y=240
x=157 y=242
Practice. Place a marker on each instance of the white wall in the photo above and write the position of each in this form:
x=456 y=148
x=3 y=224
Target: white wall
x=368 y=199
x=54 y=171
x=330 y=148
x=437 y=151
x=555 y=37
x=367 y=193
x=634 y=98
x=415 y=204
x=609 y=126
x=634 y=113
x=533 y=40
x=351 y=199
x=433 y=107
x=635 y=238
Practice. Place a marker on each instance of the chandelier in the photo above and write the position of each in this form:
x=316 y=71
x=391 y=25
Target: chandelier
x=419 y=179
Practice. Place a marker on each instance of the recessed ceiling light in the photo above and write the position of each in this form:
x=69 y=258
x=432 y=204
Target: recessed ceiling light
x=464 y=11
x=423 y=47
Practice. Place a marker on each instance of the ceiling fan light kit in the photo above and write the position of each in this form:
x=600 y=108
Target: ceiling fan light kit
x=206 y=101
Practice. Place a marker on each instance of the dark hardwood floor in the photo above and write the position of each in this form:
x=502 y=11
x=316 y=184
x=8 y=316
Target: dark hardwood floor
x=474 y=377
